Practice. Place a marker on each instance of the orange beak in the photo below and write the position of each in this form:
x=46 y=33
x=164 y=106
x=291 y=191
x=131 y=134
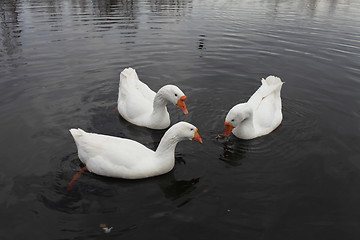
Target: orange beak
x=181 y=104
x=228 y=128
x=197 y=137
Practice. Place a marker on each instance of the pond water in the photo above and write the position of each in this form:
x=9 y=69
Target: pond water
x=60 y=63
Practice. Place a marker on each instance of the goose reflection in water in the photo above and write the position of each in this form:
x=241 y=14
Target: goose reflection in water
x=233 y=152
x=93 y=193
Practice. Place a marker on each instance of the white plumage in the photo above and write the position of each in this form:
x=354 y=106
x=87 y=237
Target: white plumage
x=124 y=158
x=260 y=115
x=138 y=104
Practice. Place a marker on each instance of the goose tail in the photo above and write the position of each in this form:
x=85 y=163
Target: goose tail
x=128 y=78
x=77 y=133
x=272 y=81
x=128 y=73
x=270 y=85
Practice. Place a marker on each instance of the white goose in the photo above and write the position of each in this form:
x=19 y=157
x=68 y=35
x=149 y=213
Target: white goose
x=124 y=158
x=260 y=115
x=141 y=106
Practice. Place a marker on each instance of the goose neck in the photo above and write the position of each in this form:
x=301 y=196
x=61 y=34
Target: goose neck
x=167 y=144
x=160 y=102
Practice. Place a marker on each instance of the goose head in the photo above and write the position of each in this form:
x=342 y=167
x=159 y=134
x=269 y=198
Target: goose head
x=236 y=116
x=174 y=95
x=186 y=131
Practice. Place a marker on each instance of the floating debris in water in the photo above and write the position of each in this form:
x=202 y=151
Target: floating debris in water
x=105 y=228
x=219 y=137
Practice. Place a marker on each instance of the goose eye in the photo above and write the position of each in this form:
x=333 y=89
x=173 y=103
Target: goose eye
x=175 y=95
x=191 y=129
x=232 y=120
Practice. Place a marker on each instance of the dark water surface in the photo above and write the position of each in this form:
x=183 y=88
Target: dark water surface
x=59 y=68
